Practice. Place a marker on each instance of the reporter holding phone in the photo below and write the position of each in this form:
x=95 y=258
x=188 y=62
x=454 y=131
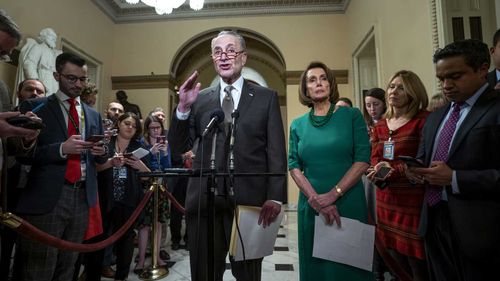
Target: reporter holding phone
x=156 y=143
x=123 y=187
x=398 y=201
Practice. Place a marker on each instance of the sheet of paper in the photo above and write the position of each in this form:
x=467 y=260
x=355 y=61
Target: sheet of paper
x=140 y=152
x=258 y=241
x=352 y=244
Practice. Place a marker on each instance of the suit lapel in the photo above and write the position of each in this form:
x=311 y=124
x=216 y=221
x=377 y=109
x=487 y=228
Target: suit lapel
x=247 y=95
x=214 y=102
x=54 y=106
x=433 y=129
x=86 y=119
x=476 y=112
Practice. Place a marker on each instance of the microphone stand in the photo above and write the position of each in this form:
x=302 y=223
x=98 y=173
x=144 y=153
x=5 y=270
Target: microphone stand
x=211 y=190
x=234 y=116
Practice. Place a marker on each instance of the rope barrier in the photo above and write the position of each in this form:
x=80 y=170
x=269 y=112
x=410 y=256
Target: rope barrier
x=175 y=203
x=27 y=230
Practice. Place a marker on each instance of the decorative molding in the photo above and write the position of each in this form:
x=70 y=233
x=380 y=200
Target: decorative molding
x=121 y=12
x=293 y=76
x=435 y=37
x=143 y=82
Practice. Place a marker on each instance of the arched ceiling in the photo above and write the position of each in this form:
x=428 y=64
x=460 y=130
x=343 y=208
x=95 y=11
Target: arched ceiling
x=121 y=12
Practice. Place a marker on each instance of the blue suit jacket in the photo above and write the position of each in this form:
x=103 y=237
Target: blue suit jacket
x=46 y=178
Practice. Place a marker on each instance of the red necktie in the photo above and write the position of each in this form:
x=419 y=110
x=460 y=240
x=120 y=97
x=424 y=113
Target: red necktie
x=73 y=170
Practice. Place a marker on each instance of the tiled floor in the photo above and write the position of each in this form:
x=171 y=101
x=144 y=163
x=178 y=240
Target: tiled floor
x=282 y=265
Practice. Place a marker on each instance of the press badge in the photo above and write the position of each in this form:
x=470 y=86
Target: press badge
x=122 y=173
x=389 y=149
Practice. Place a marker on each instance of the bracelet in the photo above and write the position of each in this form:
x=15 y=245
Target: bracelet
x=339 y=191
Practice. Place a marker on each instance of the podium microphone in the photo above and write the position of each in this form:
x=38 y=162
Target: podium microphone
x=234 y=116
x=216 y=117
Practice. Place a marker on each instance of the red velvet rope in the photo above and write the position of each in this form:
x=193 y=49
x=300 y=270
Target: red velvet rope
x=29 y=231
x=175 y=203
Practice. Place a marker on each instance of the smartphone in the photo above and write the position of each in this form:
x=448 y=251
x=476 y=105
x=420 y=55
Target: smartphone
x=161 y=139
x=382 y=173
x=95 y=138
x=128 y=154
x=410 y=161
x=25 y=122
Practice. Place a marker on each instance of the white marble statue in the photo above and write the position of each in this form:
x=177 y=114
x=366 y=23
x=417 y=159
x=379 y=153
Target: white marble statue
x=38 y=60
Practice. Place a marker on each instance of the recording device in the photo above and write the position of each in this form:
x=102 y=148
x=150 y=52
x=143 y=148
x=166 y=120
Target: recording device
x=95 y=138
x=216 y=117
x=411 y=162
x=382 y=173
x=128 y=154
x=161 y=139
x=25 y=122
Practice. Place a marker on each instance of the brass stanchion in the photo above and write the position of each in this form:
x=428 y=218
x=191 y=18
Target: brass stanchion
x=154 y=272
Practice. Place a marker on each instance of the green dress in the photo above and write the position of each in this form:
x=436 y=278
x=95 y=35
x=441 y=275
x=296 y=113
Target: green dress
x=324 y=154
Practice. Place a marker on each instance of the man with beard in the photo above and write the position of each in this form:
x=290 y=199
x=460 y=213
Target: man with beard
x=62 y=184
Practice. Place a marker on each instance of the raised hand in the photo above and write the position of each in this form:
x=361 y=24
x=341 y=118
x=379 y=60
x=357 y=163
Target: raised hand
x=188 y=92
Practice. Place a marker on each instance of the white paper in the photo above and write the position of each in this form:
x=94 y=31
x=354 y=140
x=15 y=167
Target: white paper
x=140 y=152
x=258 y=241
x=352 y=244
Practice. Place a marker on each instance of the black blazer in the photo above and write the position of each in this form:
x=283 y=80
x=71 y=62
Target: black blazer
x=492 y=78
x=46 y=178
x=475 y=156
x=259 y=146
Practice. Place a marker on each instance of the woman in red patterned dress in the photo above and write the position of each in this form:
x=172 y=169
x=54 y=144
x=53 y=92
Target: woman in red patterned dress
x=398 y=201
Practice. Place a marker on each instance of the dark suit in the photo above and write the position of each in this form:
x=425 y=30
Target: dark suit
x=259 y=147
x=46 y=191
x=470 y=220
x=492 y=78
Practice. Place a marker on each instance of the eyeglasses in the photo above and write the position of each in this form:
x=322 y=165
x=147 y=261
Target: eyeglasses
x=230 y=54
x=155 y=128
x=72 y=78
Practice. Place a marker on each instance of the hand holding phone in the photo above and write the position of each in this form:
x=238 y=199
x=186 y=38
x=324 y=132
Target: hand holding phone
x=128 y=154
x=161 y=139
x=25 y=122
x=411 y=162
x=382 y=173
x=95 y=138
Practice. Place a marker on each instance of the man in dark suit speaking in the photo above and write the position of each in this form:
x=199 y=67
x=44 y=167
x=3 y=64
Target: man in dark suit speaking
x=259 y=146
x=62 y=184
x=461 y=148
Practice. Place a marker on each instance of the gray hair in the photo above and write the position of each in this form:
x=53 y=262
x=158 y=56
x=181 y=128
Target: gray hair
x=233 y=33
x=8 y=26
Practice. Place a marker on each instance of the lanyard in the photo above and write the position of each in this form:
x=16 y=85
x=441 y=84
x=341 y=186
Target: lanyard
x=82 y=119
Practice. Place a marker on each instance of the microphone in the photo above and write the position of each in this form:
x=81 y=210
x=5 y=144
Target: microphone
x=216 y=117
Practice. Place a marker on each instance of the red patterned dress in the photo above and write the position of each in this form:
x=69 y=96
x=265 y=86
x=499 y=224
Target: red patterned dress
x=399 y=203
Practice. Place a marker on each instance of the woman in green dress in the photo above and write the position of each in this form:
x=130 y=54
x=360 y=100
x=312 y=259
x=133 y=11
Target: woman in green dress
x=329 y=151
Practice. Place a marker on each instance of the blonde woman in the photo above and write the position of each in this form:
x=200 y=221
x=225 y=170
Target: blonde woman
x=398 y=201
